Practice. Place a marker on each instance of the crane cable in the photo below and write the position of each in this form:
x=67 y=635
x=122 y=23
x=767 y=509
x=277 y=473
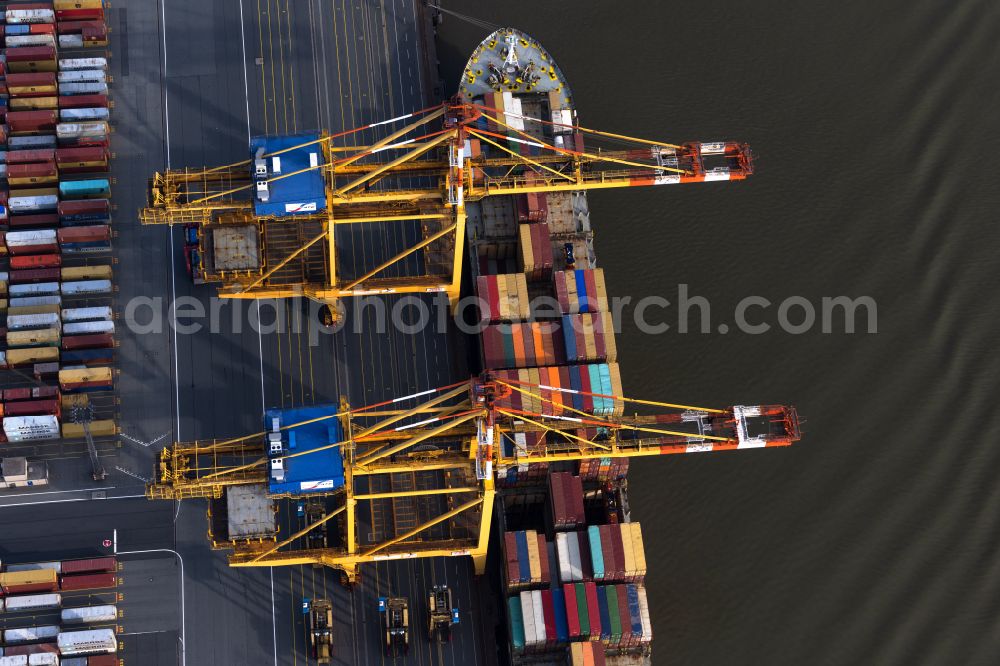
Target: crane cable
x=651 y=403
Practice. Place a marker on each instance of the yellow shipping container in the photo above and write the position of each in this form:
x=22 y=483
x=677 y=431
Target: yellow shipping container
x=602 y=290
x=101 y=428
x=34 y=180
x=638 y=549
x=71 y=400
x=30 y=355
x=34 y=309
x=45 y=336
x=627 y=549
x=35 y=192
x=81 y=375
x=610 y=344
x=34 y=103
x=534 y=563
x=62 y=5
x=26 y=67
x=3 y=301
x=33 y=577
x=100 y=272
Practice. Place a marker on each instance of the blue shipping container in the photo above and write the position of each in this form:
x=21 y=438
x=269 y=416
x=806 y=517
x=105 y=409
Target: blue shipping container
x=602 y=606
x=562 y=624
x=633 y=609
x=596 y=554
x=523 y=565
x=93 y=188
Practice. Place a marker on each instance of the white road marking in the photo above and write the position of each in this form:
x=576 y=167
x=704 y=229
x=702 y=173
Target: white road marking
x=71 y=499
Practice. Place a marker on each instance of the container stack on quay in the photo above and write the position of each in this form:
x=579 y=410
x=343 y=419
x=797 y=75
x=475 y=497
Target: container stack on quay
x=56 y=319
x=56 y=630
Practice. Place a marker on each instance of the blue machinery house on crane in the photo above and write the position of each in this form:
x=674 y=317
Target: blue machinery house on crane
x=289 y=470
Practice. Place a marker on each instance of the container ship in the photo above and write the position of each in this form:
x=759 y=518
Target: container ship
x=572 y=561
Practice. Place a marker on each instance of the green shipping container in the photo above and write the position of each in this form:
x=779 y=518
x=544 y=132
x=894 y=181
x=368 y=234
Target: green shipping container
x=581 y=606
x=616 y=621
x=517 y=622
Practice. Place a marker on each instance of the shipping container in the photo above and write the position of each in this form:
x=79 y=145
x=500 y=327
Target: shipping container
x=86 y=379
x=31 y=566
x=73 y=342
x=30 y=428
x=32 y=602
x=92 y=565
x=67 y=64
x=87 y=642
x=43 y=659
x=41 y=337
x=89 y=614
x=98 y=428
x=517 y=632
x=30 y=634
x=86 y=287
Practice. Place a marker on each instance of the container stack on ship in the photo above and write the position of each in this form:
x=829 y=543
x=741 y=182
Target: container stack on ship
x=573 y=563
x=56 y=323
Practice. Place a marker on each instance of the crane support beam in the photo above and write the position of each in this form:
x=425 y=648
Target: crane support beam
x=416 y=493
x=434 y=432
x=420 y=528
x=399 y=257
x=308 y=528
x=380 y=169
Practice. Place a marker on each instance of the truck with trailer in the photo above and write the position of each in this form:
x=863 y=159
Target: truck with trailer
x=321 y=630
x=395 y=612
x=442 y=615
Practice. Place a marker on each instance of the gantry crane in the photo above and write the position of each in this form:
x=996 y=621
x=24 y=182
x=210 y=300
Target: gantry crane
x=455 y=443
x=268 y=226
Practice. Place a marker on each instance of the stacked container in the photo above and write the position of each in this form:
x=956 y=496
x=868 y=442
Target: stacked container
x=526 y=559
x=503 y=297
x=54 y=209
x=584 y=388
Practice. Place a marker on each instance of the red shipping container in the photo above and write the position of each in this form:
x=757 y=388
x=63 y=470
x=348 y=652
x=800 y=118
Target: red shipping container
x=88 y=234
x=543 y=558
x=572 y=610
x=94 y=341
x=77 y=27
x=32 y=121
x=102 y=564
x=31 y=408
x=42 y=29
x=16 y=394
x=572 y=520
x=33 y=249
x=30 y=53
x=607 y=552
x=102 y=660
x=83 y=101
x=88 y=14
x=81 y=156
x=30 y=79
x=38 y=220
x=559 y=518
x=619 y=548
x=34 y=648
x=88 y=581
x=549 y=614
x=30 y=156
x=35 y=275
x=36 y=261
x=32 y=173
x=81 y=206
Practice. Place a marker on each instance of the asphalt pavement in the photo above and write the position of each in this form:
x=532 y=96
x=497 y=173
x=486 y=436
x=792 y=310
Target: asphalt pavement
x=192 y=82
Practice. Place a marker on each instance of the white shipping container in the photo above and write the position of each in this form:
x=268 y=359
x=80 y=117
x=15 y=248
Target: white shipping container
x=562 y=554
x=647 y=625
x=536 y=603
x=95 y=128
x=86 y=287
x=24 y=602
x=32 y=321
x=82 y=76
x=66 y=64
x=36 y=289
x=575 y=562
x=87 y=614
x=19 y=660
x=86 y=314
x=35 y=237
x=35 y=566
x=87 y=642
x=93 y=113
x=74 y=661
x=30 y=16
x=528 y=614
x=88 y=327
x=3 y=170
x=15 y=41
x=43 y=659
x=28 y=204
x=71 y=41
x=30 y=634
x=29 y=429
x=28 y=301
x=82 y=88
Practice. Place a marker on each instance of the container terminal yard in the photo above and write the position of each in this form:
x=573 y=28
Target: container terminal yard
x=405 y=519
